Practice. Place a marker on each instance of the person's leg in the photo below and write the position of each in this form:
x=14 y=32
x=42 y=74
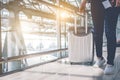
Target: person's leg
x=98 y=23
x=111 y=16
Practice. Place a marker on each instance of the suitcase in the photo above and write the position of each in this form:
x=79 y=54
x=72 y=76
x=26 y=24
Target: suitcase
x=81 y=44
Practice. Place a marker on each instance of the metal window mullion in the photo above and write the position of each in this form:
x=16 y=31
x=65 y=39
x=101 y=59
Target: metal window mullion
x=58 y=27
x=0 y=45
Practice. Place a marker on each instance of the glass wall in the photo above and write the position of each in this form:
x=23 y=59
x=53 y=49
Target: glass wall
x=30 y=33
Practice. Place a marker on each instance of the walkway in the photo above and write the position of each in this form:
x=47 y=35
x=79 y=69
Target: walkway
x=65 y=71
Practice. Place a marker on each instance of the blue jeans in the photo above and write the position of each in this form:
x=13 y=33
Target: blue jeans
x=104 y=19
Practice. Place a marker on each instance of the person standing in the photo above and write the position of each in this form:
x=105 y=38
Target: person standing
x=104 y=16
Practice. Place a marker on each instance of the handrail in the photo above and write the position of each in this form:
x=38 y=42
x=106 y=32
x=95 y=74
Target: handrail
x=2 y=60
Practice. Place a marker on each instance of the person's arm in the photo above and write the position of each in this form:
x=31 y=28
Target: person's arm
x=82 y=5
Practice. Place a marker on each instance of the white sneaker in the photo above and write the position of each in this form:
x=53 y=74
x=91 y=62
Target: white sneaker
x=109 y=69
x=99 y=63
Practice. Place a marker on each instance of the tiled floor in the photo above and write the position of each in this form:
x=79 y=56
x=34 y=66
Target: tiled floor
x=65 y=71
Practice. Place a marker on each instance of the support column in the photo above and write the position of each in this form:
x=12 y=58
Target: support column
x=20 y=40
x=14 y=43
x=11 y=48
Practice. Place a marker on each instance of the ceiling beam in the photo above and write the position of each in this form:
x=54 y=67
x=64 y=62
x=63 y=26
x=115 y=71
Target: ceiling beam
x=69 y=6
x=64 y=6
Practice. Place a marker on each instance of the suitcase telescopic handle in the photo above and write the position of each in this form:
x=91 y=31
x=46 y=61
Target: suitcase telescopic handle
x=85 y=21
x=75 y=23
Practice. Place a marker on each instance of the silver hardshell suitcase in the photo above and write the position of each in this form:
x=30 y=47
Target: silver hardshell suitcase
x=80 y=44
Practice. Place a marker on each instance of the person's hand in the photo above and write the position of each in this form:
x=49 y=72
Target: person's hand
x=117 y=3
x=82 y=6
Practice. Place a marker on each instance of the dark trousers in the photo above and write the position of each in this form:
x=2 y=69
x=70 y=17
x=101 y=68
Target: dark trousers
x=104 y=19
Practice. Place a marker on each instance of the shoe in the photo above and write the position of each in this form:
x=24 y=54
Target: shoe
x=99 y=63
x=109 y=69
